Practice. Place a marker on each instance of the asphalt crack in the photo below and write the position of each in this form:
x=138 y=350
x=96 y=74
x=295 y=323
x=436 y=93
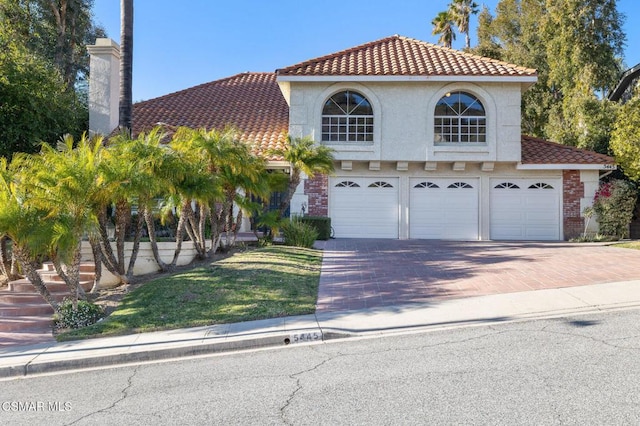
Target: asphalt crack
x=299 y=387
x=123 y=396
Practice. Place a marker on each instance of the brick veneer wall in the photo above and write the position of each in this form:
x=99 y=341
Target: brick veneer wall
x=317 y=189
x=573 y=191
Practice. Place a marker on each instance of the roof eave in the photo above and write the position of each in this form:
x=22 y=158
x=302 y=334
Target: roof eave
x=528 y=80
x=566 y=166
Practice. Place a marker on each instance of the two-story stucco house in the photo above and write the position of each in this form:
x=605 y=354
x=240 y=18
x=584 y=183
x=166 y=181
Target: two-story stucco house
x=427 y=140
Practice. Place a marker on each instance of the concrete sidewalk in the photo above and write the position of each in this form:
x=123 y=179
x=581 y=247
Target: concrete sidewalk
x=52 y=357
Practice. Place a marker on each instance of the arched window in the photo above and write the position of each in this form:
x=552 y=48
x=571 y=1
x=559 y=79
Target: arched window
x=460 y=118
x=347 y=117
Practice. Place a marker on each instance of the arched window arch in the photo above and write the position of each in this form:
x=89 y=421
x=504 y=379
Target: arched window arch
x=460 y=118
x=347 y=116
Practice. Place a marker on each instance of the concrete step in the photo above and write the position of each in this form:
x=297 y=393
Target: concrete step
x=28 y=297
x=25 y=286
x=11 y=324
x=84 y=267
x=25 y=309
x=53 y=276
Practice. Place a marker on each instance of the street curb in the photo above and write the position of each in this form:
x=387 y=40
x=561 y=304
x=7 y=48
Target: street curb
x=144 y=354
x=33 y=367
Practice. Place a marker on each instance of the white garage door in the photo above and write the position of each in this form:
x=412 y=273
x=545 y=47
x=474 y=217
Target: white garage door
x=525 y=209
x=364 y=207
x=443 y=209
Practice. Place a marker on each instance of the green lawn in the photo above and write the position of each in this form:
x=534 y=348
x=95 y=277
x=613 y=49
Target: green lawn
x=264 y=283
x=631 y=244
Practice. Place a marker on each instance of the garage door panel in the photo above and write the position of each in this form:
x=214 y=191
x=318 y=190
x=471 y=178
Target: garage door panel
x=525 y=209
x=363 y=208
x=437 y=211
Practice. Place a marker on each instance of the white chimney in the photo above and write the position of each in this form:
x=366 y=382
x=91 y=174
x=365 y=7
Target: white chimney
x=104 y=86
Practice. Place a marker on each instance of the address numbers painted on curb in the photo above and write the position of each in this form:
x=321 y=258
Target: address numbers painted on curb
x=306 y=337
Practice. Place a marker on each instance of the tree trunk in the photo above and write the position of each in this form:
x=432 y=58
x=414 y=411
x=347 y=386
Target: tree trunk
x=106 y=252
x=179 y=236
x=194 y=228
x=294 y=181
x=136 y=246
x=97 y=260
x=148 y=218
x=70 y=274
x=218 y=221
x=123 y=219
x=30 y=268
x=126 y=65
x=6 y=267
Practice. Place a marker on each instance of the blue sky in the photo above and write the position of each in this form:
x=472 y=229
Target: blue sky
x=176 y=47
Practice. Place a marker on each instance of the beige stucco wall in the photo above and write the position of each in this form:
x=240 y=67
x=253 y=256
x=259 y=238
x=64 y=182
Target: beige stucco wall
x=403 y=120
x=145 y=262
x=104 y=86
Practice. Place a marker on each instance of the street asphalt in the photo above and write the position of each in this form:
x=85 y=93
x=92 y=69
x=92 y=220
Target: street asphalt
x=323 y=326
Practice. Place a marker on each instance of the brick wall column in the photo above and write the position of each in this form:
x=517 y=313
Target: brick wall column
x=573 y=191
x=317 y=189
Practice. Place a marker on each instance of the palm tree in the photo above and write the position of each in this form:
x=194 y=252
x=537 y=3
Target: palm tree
x=237 y=171
x=64 y=181
x=126 y=65
x=303 y=156
x=30 y=229
x=198 y=189
x=135 y=172
x=443 y=26
x=460 y=12
x=195 y=187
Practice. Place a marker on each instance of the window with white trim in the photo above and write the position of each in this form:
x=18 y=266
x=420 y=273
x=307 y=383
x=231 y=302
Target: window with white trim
x=507 y=185
x=347 y=117
x=347 y=184
x=460 y=118
x=540 y=185
x=380 y=184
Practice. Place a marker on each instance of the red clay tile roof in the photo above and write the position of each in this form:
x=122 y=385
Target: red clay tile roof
x=403 y=56
x=539 y=151
x=250 y=102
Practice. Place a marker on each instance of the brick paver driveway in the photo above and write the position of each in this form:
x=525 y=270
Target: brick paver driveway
x=365 y=273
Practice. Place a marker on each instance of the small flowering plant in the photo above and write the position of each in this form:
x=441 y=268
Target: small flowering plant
x=614 y=204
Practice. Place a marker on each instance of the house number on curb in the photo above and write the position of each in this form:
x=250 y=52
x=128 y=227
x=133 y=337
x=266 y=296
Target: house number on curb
x=306 y=337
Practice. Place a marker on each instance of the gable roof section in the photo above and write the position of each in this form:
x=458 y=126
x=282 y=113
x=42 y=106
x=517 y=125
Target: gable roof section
x=538 y=152
x=399 y=56
x=250 y=102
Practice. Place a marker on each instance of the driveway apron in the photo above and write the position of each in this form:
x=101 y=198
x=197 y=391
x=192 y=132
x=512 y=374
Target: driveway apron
x=368 y=273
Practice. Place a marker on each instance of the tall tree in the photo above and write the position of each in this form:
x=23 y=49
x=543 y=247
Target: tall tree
x=57 y=31
x=36 y=105
x=126 y=64
x=487 y=45
x=575 y=47
x=443 y=26
x=625 y=140
x=460 y=12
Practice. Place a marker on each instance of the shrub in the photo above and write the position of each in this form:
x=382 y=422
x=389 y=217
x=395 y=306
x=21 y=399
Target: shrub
x=298 y=234
x=614 y=203
x=322 y=224
x=86 y=314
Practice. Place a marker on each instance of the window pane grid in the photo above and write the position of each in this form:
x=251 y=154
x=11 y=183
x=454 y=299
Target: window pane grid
x=459 y=118
x=347 y=128
x=347 y=117
x=458 y=129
